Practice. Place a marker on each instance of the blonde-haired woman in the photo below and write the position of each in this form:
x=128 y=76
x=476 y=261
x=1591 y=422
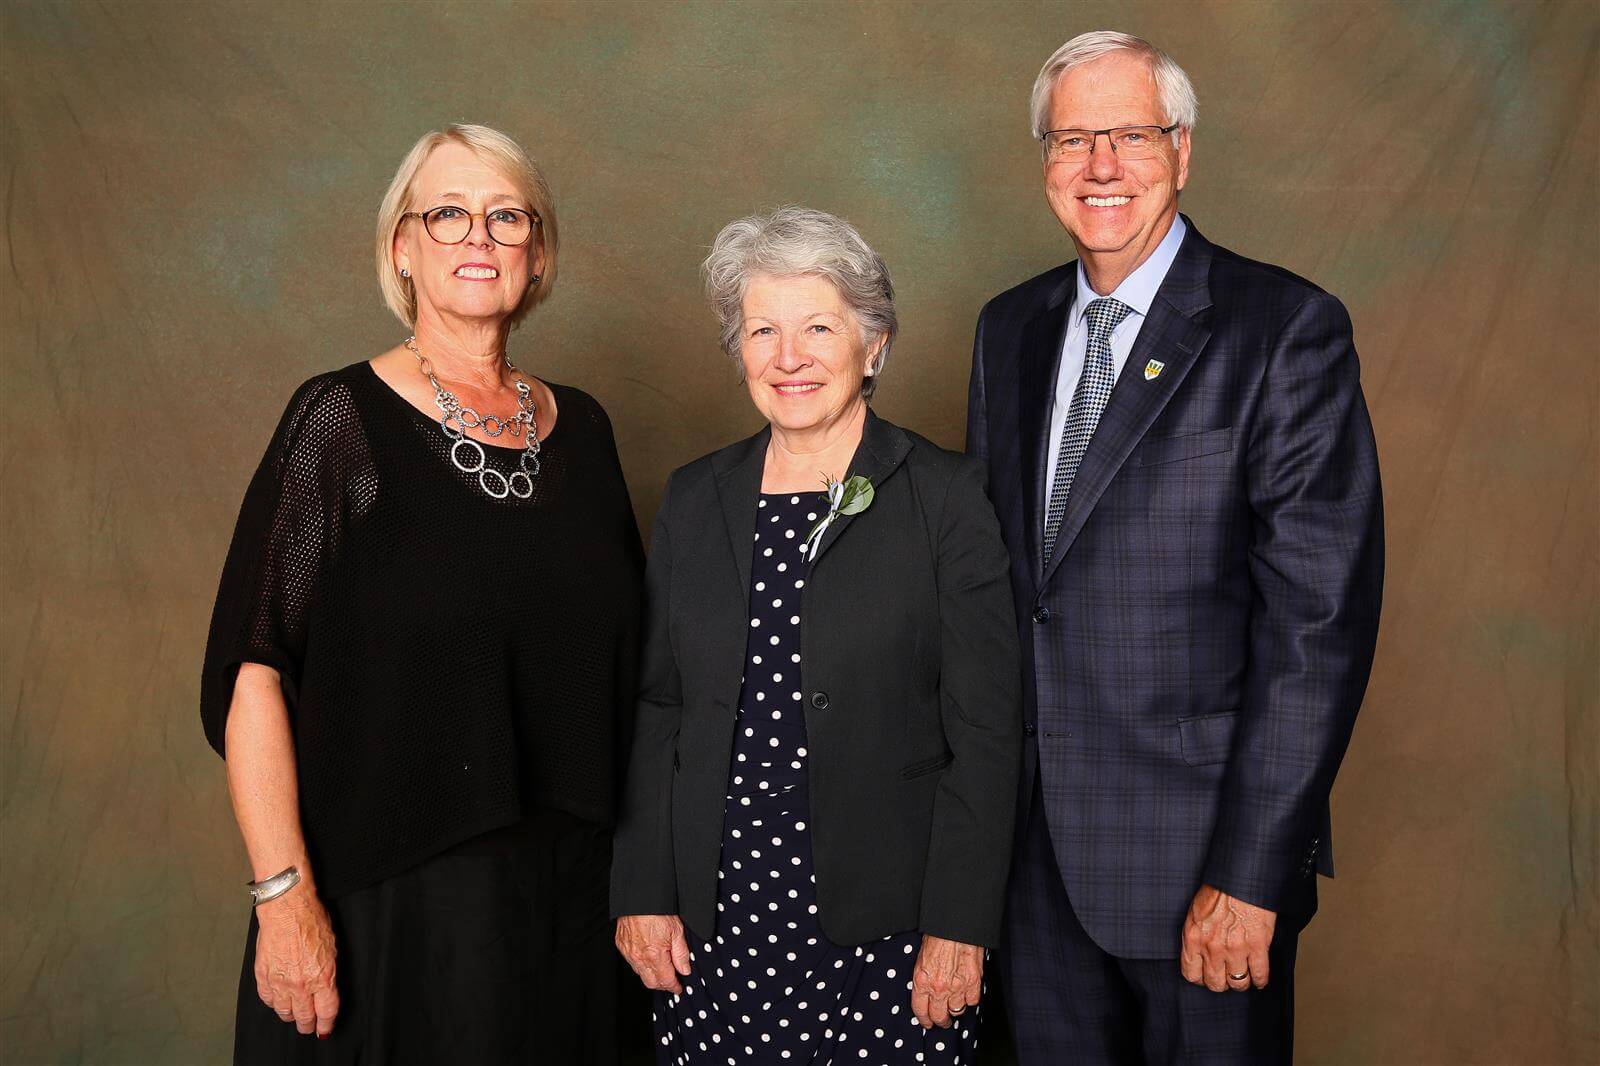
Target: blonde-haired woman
x=422 y=644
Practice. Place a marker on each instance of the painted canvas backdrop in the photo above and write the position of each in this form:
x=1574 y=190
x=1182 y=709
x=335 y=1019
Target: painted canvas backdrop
x=189 y=192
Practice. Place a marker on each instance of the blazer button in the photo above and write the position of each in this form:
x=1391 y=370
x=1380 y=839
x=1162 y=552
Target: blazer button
x=1028 y=730
x=819 y=700
x=1041 y=615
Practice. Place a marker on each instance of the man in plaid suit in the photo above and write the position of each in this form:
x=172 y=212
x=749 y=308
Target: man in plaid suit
x=1186 y=478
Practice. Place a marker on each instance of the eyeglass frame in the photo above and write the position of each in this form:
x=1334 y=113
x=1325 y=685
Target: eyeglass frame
x=422 y=216
x=1094 y=135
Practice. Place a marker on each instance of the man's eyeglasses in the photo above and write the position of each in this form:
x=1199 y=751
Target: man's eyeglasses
x=508 y=226
x=1129 y=142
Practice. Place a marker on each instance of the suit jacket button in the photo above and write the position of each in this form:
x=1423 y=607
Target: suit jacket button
x=1041 y=615
x=819 y=700
x=1028 y=730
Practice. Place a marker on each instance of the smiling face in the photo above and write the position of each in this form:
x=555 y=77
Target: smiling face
x=802 y=352
x=478 y=278
x=1113 y=208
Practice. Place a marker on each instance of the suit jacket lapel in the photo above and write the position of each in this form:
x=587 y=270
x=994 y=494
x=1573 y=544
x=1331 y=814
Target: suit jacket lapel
x=883 y=448
x=1041 y=361
x=1174 y=333
x=739 y=487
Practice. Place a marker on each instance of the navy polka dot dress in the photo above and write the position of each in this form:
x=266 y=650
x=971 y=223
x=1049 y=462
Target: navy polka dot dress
x=768 y=986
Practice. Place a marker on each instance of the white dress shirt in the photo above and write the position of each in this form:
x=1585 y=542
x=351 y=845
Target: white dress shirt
x=1137 y=290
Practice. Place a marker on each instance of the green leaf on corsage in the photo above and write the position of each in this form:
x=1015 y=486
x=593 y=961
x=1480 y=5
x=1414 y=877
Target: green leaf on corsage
x=857 y=496
x=849 y=497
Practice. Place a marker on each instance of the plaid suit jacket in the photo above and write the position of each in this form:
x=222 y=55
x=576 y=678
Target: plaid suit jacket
x=1195 y=654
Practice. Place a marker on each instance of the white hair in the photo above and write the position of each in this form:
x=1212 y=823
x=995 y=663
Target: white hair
x=798 y=241
x=1173 y=87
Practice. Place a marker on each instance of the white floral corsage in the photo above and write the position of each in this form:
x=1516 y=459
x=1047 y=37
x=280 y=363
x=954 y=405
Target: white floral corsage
x=851 y=496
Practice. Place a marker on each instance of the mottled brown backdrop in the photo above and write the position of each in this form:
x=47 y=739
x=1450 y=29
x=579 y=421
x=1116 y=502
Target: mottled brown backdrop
x=189 y=190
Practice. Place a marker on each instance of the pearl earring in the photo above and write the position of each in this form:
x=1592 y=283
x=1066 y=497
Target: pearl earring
x=404 y=273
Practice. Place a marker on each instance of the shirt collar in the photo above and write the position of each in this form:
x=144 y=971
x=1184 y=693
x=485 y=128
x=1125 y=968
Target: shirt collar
x=1138 y=290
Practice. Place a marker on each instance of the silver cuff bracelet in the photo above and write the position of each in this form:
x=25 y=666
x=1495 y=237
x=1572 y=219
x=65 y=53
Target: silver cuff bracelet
x=272 y=887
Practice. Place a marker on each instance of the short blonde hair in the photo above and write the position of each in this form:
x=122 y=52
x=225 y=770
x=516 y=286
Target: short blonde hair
x=506 y=156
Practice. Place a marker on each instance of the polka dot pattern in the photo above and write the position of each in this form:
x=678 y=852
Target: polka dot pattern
x=767 y=987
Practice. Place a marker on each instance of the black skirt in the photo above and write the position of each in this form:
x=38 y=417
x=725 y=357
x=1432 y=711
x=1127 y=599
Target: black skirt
x=496 y=951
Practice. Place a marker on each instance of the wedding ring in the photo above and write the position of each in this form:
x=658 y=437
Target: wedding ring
x=1238 y=976
x=958 y=1010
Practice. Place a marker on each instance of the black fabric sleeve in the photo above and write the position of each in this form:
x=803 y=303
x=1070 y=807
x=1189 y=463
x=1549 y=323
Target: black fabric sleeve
x=978 y=401
x=980 y=696
x=626 y=666
x=643 y=875
x=288 y=527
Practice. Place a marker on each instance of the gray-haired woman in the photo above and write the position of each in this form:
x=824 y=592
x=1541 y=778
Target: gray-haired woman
x=814 y=841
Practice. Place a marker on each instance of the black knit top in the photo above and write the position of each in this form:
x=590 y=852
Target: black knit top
x=450 y=660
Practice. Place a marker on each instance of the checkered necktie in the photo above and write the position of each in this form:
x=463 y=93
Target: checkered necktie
x=1088 y=401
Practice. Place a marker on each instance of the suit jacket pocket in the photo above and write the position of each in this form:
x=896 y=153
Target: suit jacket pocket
x=927 y=766
x=1207 y=738
x=1154 y=452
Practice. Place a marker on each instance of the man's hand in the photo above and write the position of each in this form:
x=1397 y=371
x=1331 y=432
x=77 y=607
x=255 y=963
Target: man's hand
x=1225 y=942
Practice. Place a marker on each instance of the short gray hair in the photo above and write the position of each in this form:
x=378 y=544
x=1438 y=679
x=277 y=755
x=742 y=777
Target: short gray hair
x=1173 y=86
x=791 y=242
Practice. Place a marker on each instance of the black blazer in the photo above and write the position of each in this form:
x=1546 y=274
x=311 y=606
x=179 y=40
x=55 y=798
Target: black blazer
x=1198 y=647
x=913 y=711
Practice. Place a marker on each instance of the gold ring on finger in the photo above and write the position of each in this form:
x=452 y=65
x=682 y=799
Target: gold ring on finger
x=1238 y=976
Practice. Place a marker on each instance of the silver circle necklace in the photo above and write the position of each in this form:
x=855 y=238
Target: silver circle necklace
x=455 y=419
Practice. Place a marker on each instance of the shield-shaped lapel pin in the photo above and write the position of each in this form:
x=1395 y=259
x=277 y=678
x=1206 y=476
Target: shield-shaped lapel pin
x=1153 y=369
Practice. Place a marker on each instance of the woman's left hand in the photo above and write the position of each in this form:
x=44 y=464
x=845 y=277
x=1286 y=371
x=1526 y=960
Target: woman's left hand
x=947 y=980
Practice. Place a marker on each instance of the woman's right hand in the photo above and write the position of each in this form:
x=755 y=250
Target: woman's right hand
x=295 y=960
x=655 y=947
